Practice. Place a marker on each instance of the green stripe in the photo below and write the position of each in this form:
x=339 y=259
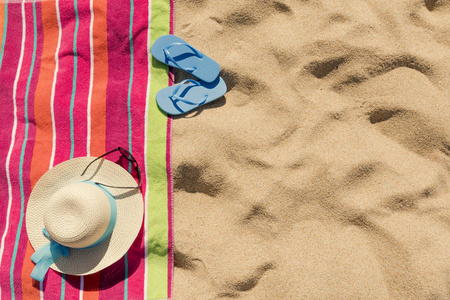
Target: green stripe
x=74 y=80
x=22 y=155
x=156 y=157
x=5 y=25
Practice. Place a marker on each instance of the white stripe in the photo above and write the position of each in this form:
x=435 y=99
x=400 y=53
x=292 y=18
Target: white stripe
x=52 y=98
x=147 y=97
x=81 y=287
x=41 y=290
x=13 y=136
x=91 y=80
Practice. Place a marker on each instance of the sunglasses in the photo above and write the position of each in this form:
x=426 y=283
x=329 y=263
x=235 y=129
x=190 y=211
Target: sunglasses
x=125 y=153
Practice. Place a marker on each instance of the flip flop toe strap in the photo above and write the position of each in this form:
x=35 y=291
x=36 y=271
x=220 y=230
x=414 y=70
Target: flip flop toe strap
x=175 y=98
x=169 y=56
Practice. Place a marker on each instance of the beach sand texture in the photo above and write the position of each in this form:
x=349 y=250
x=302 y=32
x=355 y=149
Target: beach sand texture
x=324 y=171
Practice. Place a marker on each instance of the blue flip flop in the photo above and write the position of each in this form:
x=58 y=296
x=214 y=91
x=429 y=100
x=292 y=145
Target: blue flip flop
x=188 y=95
x=175 y=52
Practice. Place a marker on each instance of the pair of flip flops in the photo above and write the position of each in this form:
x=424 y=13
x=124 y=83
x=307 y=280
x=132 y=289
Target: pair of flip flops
x=188 y=94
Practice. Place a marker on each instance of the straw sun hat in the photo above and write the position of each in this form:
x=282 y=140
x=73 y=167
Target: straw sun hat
x=79 y=224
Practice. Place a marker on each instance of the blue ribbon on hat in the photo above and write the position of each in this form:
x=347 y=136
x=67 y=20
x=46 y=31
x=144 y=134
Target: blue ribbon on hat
x=46 y=255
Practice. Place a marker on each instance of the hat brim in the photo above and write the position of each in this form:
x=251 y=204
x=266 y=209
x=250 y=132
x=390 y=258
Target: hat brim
x=130 y=210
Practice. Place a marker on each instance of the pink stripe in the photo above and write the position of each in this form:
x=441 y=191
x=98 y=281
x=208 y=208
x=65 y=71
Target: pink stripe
x=170 y=178
x=83 y=79
x=118 y=74
x=172 y=16
x=26 y=168
x=15 y=157
x=169 y=207
x=7 y=76
x=52 y=285
x=112 y=278
x=17 y=150
x=136 y=254
x=63 y=88
x=71 y=287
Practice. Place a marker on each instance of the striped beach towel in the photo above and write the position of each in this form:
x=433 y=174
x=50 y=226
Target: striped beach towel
x=77 y=79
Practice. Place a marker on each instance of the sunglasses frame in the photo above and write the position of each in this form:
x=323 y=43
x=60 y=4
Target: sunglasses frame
x=125 y=153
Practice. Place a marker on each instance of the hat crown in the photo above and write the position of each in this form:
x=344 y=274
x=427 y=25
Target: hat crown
x=77 y=215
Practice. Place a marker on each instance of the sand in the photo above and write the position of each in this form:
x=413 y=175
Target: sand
x=324 y=172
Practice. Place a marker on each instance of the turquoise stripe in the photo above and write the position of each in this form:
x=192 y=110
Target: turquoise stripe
x=125 y=289
x=131 y=76
x=63 y=286
x=22 y=156
x=130 y=37
x=5 y=24
x=74 y=80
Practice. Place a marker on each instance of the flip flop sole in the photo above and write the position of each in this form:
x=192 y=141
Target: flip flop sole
x=187 y=58
x=196 y=95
